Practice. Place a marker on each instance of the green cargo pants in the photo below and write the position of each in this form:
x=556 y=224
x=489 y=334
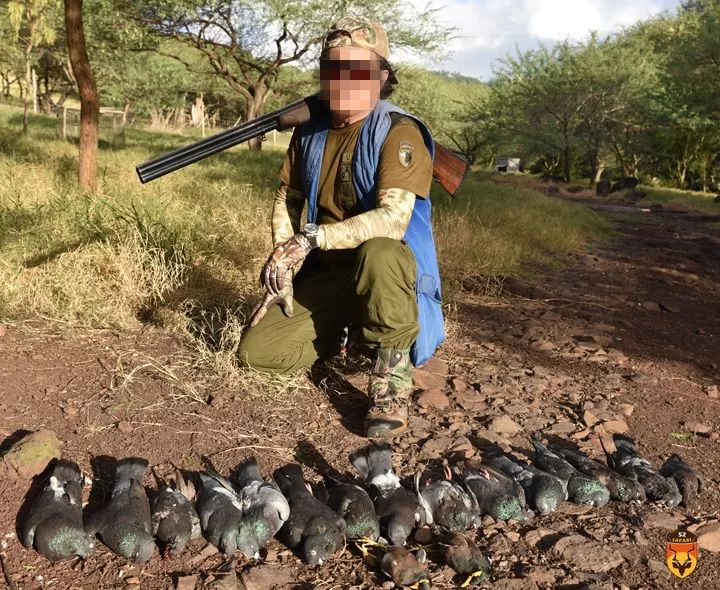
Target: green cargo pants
x=376 y=292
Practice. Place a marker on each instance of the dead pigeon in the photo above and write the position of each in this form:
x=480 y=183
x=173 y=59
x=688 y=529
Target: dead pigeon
x=627 y=460
x=354 y=504
x=220 y=511
x=446 y=505
x=493 y=492
x=688 y=482
x=465 y=558
x=581 y=488
x=174 y=520
x=54 y=525
x=313 y=528
x=124 y=524
x=622 y=488
x=264 y=508
x=397 y=508
x=543 y=491
x=406 y=569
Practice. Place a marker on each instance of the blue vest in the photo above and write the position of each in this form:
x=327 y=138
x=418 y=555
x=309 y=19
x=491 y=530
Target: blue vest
x=418 y=236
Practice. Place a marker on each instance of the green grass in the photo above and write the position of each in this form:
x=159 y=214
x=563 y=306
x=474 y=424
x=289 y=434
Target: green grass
x=679 y=200
x=184 y=251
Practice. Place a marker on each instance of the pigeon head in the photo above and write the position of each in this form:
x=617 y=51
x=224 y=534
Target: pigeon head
x=174 y=545
x=318 y=548
x=546 y=501
x=71 y=541
x=588 y=491
x=625 y=490
x=253 y=534
x=137 y=546
x=672 y=496
x=509 y=507
x=398 y=532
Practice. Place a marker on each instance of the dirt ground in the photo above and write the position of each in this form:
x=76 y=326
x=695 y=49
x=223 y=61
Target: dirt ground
x=628 y=333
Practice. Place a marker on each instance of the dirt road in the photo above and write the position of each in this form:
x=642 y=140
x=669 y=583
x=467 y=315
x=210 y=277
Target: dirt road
x=624 y=337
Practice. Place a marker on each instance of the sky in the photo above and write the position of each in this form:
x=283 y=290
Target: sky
x=490 y=29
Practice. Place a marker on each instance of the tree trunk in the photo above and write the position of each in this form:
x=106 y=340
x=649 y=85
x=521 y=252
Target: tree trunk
x=89 y=103
x=26 y=94
x=256 y=102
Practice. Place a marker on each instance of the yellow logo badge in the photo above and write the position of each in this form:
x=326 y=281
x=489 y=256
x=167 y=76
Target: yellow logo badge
x=681 y=553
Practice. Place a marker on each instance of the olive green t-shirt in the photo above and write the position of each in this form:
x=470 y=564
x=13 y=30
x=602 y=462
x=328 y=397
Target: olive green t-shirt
x=405 y=163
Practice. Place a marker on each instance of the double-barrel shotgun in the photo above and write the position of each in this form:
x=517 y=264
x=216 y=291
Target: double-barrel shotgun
x=449 y=169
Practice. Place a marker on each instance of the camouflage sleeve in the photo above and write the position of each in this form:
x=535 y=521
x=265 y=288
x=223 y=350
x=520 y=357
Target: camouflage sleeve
x=389 y=219
x=287 y=210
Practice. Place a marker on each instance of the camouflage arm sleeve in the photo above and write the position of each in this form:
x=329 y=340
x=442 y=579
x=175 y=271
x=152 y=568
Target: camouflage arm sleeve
x=389 y=219
x=287 y=210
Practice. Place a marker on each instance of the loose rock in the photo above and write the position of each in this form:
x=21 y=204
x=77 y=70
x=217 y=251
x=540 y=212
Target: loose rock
x=433 y=398
x=30 y=455
x=504 y=425
x=709 y=537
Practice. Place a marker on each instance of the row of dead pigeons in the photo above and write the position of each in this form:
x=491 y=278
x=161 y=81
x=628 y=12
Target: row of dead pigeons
x=245 y=511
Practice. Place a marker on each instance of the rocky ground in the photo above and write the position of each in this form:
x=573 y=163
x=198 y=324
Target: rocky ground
x=625 y=339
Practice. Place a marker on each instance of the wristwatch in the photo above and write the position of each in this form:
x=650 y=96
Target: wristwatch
x=310 y=231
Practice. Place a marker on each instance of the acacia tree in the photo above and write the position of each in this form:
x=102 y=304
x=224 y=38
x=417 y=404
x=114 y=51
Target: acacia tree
x=89 y=103
x=248 y=42
x=33 y=23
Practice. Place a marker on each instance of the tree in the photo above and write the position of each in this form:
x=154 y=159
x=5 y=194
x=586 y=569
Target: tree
x=33 y=23
x=89 y=103
x=248 y=42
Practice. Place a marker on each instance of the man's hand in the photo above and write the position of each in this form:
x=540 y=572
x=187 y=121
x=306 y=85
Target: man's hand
x=284 y=299
x=283 y=263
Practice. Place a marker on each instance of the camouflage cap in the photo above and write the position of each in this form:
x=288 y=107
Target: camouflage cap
x=358 y=31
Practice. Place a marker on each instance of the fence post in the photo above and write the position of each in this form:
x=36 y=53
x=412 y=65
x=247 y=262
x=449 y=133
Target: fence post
x=64 y=123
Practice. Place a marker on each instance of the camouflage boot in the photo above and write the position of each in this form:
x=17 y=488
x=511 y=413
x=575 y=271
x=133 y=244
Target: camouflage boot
x=389 y=391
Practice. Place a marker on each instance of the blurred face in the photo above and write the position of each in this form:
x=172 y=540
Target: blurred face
x=351 y=79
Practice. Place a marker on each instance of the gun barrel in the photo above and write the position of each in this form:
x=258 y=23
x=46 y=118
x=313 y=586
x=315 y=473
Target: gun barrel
x=181 y=157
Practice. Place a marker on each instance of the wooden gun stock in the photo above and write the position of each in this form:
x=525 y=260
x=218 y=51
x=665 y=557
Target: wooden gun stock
x=449 y=169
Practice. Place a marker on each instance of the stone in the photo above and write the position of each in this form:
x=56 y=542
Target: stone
x=504 y=425
x=30 y=455
x=124 y=427
x=267 y=577
x=426 y=380
x=589 y=418
x=436 y=366
x=615 y=426
x=458 y=385
x=627 y=409
x=186 y=582
x=709 y=537
x=512 y=536
x=663 y=520
x=563 y=428
x=462 y=445
x=433 y=398
x=515 y=584
x=651 y=306
x=563 y=543
x=543 y=345
x=712 y=391
x=574 y=509
x=434 y=448
x=540 y=537
x=592 y=557
x=3 y=330
x=659 y=568
x=698 y=428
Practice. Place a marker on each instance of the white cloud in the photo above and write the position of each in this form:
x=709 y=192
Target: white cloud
x=490 y=29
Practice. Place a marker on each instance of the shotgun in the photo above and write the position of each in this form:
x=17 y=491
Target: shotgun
x=449 y=169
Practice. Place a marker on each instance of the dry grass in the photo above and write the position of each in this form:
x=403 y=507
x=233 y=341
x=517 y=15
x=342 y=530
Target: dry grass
x=680 y=200
x=183 y=252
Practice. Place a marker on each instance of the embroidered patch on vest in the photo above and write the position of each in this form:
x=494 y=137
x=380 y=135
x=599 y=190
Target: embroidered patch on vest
x=405 y=153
